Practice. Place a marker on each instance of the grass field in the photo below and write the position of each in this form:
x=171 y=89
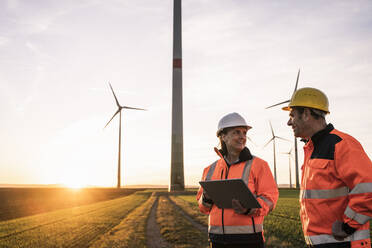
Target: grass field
x=176 y=229
x=71 y=227
x=20 y=202
x=123 y=222
x=130 y=232
x=188 y=204
x=284 y=223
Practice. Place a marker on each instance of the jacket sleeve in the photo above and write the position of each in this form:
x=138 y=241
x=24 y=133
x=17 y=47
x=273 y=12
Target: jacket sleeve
x=204 y=205
x=355 y=169
x=266 y=188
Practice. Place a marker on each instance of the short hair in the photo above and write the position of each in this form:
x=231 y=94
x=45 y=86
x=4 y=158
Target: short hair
x=316 y=113
x=227 y=129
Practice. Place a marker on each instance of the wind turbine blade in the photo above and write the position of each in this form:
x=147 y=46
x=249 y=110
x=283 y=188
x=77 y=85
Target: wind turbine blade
x=277 y=104
x=298 y=76
x=272 y=131
x=248 y=138
x=117 y=102
x=112 y=117
x=268 y=142
x=134 y=108
x=282 y=138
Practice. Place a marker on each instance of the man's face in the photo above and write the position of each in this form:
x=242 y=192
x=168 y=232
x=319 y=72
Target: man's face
x=235 y=139
x=297 y=123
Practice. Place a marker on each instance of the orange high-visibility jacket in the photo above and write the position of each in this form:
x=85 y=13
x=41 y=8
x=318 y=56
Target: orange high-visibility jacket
x=226 y=226
x=336 y=185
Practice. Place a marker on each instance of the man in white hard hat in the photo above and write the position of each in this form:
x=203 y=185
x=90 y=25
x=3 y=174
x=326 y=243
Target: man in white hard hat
x=238 y=226
x=336 y=185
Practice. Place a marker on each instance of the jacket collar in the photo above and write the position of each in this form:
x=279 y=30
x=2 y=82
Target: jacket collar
x=317 y=137
x=244 y=155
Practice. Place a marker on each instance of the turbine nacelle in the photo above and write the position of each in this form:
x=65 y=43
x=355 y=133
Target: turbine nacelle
x=288 y=153
x=119 y=107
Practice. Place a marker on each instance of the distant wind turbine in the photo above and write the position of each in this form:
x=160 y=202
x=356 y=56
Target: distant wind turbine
x=249 y=138
x=119 y=111
x=290 y=169
x=273 y=140
x=295 y=139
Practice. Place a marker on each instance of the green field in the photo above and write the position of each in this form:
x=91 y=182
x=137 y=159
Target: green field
x=124 y=222
x=20 y=202
x=71 y=227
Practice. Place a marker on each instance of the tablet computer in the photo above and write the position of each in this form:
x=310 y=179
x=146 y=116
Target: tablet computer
x=223 y=191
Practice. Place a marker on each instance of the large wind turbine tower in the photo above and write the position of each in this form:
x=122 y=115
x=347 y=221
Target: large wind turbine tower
x=176 y=175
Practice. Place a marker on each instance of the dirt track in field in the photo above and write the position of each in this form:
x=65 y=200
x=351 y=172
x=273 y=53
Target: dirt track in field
x=202 y=228
x=154 y=238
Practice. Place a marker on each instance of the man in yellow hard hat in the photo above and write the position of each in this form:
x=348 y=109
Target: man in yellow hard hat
x=336 y=185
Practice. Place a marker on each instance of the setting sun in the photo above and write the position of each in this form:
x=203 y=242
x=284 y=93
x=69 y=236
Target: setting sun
x=74 y=185
x=73 y=181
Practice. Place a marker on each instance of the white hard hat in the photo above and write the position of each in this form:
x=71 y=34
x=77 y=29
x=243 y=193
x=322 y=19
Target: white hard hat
x=231 y=120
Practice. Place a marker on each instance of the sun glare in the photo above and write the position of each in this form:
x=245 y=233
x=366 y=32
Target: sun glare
x=74 y=185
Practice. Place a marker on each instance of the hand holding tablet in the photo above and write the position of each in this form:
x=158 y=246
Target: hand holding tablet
x=222 y=192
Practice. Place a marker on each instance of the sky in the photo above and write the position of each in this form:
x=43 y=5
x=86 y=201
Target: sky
x=57 y=58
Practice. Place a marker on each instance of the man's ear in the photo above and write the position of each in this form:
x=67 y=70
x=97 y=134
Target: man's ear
x=306 y=114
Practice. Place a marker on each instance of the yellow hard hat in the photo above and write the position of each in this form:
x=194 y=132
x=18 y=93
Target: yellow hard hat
x=309 y=97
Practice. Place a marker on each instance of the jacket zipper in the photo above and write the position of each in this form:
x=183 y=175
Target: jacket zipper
x=223 y=225
x=254 y=225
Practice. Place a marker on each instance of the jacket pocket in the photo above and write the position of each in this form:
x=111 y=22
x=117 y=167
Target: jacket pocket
x=317 y=173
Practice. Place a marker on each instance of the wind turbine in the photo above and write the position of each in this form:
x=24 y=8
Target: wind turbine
x=273 y=140
x=119 y=112
x=250 y=140
x=298 y=76
x=295 y=139
x=290 y=171
x=177 y=178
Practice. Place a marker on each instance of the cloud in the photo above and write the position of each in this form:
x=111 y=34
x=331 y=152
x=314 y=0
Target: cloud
x=34 y=17
x=32 y=47
x=34 y=91
x=4 y=41
x=12 y=4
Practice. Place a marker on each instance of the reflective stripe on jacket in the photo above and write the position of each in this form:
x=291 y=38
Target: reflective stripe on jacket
x=225 y=224
x=336 y=185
